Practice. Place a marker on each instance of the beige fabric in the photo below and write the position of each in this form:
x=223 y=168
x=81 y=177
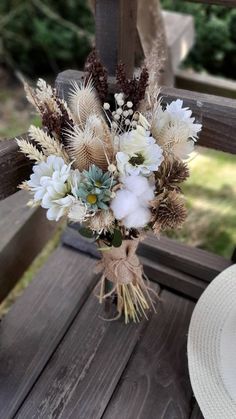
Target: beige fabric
x=212 y=348
x=121 y=264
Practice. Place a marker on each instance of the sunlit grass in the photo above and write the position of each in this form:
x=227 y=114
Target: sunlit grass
x=211 y=198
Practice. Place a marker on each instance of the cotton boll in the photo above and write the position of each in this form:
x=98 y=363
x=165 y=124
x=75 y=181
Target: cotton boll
x=137 y=219
x=135 y=184
x=123 y=204
x=140 y=186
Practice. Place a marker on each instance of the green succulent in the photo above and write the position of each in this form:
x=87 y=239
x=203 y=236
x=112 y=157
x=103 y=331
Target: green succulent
x=95 y=188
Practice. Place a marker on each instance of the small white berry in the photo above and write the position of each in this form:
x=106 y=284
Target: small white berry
x=127 y=122
x=129 y=104
x=114 y=124
x=120 y=102
x=119 y=111
x=117 y=117
x=126 y=113
x=131 y=112
x=106 y=106
x=134 y=124
x=113 y=113
x=112 y=168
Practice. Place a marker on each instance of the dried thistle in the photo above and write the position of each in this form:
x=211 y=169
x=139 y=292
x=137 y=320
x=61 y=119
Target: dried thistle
x=84 y=102
x=30 y=150
x=135 y=88
x=170 y=174
x=48 y=144
x=96 y=72
x=102 y=221
x=170 y=212
x=91 y=145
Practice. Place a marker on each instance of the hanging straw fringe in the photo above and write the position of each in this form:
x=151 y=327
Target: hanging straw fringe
x=121 y=266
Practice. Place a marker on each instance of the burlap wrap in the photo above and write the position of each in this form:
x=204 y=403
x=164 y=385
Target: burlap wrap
x=121 y=264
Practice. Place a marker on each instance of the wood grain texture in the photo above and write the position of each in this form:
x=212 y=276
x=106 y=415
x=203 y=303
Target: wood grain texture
x=24 y=231
x=217 y=115
x=196 y=413
x=226 y=3
x=80 y=378
x=32 y=329
x=205 y=83
x=115 y=23
x=168 y=276
x=189 y=260
x=14 y=167
x=155 y=383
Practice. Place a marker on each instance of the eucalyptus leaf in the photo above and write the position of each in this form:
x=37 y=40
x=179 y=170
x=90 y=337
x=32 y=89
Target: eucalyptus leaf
x=86 y=232
x=117 y=238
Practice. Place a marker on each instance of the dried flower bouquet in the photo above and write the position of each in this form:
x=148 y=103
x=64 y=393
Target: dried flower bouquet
x=115 y=165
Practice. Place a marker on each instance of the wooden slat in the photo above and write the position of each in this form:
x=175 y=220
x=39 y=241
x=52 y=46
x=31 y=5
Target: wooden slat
x=189 y=260
x=205 y=83
x=14 y=168
x=155 y=383
x=24 y=231
x=38 y=320
x=80 y=378
x=196 y=413
x=217 y=114
x=115 y=23
x=226 y=3
x=170 y=277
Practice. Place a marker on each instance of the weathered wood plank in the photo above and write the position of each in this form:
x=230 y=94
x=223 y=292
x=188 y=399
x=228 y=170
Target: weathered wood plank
x=168 y=276
x=226 y=3
x=217 y=114
x=14 y=167
x=196 y=413
x=189 y=260
x=205 y=83
x=80 y=378
x=24 y=231
x=32 y=329
x=155 y=384
x=115 y=23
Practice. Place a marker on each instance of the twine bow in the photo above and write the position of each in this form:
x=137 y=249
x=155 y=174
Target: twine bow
x=121 y=266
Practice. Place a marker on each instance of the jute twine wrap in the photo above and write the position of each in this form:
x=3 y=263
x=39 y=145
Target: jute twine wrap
x=121 y=266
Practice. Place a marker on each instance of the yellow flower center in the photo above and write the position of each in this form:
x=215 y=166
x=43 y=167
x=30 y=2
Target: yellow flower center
x=92 y=199
x=98 y=183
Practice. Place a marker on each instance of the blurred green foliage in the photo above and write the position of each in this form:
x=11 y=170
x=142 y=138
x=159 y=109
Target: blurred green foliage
x=44 y=36
x=215 y=47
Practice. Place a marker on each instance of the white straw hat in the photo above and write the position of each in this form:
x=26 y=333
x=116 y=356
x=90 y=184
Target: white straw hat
x=212 y=348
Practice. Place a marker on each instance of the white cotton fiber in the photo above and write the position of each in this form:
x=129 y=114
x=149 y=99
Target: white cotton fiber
x=136 y=184
x=124 y=203
x=138 y=218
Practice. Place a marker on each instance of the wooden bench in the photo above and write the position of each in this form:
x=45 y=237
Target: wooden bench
x=59 y=359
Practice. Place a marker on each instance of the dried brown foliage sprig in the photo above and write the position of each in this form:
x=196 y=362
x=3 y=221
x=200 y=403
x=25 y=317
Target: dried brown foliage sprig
x=134 y=89
x=96 y=72
x=170 y=174
x=169 y=212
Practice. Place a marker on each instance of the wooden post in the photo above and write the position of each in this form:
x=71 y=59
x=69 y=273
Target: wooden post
x=116 y=33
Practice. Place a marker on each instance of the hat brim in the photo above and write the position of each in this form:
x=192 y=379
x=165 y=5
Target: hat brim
x=209 y=318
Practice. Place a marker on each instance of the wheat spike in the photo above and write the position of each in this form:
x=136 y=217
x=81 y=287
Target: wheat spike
x=91 y=145
x=30 y=150
x=84 y=102
x=49 y=145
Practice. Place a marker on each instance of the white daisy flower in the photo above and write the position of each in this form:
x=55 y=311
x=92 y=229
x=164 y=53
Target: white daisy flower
x=139 y=153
